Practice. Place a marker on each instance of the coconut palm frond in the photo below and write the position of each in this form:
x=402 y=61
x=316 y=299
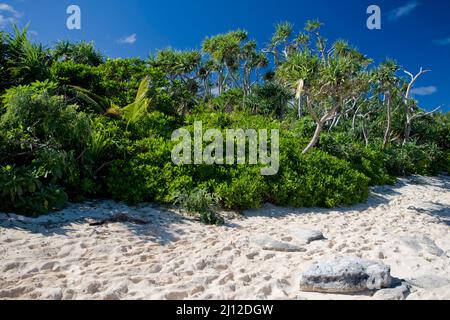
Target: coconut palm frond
x=100 y=104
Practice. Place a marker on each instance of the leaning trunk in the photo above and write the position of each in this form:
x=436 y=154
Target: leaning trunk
x=315 y=138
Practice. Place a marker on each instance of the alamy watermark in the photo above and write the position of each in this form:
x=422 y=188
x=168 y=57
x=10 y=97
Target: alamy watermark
x=374 y=20
x=73 y=22
x=231 y=150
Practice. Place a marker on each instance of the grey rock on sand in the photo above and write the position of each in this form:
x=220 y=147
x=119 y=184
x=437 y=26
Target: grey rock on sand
x=429 y=282
x=306 y=236
x=422 y=244
x=270 y=244
x=346 y=275
x=400 y=292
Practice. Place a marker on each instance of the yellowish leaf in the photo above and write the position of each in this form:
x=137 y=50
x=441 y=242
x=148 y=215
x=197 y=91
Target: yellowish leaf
x=300 y=86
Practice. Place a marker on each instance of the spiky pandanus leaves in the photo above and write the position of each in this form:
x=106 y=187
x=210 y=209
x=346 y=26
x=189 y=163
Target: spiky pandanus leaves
x=27 y=62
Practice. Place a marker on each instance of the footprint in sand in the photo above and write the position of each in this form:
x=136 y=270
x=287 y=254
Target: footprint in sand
x=177 y=295
x=155 y=268
x=226 y=279
x=269 y=256
x=13 y=265
x=221 y=267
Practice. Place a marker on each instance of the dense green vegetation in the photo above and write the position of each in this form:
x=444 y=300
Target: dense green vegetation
x=76 y=125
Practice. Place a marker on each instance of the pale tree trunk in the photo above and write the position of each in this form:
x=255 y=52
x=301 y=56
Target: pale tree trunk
x=365 y=133
x=319 y=125
x=408 y=122
x=315 y=138
x=300 y=111
x=387 y=134
x=408 y=127
x=334 y=123
x=220 y=82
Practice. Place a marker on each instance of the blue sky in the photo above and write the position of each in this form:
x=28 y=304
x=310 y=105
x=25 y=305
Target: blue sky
x=414 y=32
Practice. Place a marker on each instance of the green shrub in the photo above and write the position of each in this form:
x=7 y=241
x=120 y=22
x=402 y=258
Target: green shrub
x=46 y=117
x=269 y=99
x=210 y=119
x=246 y=189
x=144 y=174
x=228 y=101
x=23 y=192
x=67 y=73
x=446 y=161
x=155 y=124
x=125 y=182
x=413 y=158
x=121 y=78
x=200 y=202
x=316 y=179
x=369 y=161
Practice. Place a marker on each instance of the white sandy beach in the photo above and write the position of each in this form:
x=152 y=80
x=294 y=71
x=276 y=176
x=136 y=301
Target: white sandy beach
x=62 y=256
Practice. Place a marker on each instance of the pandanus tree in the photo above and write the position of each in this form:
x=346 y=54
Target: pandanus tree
x=284 y=43
x=367 y=111
x=81 y=53
x=224 y=50
x=182 y=69
x=387 y=85
x=299 y=73
x=327 y=79
x=279 y=45
x=294 y=66
x=27 y=62
x=178 y=65
x=235 y=59
x=207 y=68
x=251 y=60
x=338 y=82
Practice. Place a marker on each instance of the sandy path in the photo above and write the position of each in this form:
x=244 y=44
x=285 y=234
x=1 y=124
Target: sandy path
x=62 y=256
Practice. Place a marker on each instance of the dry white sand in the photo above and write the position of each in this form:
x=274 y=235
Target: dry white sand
x=62 y=256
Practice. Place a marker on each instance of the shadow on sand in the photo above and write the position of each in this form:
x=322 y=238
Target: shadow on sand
x=157 y=227
x=380 y=195
x=160 y=226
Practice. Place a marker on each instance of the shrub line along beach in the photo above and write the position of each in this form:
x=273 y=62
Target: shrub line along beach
x=77 y=128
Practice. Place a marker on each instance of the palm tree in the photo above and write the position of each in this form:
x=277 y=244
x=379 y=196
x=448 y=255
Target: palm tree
x=131 y=113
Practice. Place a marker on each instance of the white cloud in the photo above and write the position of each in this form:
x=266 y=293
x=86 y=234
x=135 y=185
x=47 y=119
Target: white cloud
x=5 y=21
x=423 y=91
x=442 y=42
x=131 y=39
x=403 y=11
x=8 y=8
x=8 y=15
